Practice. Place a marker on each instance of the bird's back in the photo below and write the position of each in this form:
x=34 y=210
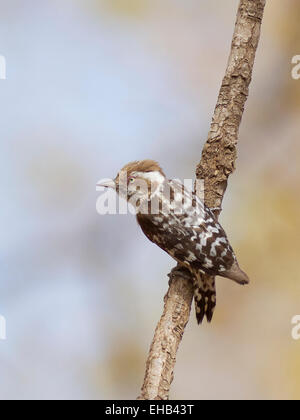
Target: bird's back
x=188 y=231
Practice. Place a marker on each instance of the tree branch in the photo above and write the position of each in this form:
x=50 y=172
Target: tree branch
x=217 y=163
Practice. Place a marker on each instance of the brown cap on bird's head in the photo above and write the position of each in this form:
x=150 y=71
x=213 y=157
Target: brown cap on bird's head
x=146 y=165
x=138 y=167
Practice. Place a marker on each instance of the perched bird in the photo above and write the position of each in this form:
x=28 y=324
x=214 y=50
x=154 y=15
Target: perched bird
x=179 y=222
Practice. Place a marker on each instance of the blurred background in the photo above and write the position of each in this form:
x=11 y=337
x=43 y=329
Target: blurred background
x=91 y=85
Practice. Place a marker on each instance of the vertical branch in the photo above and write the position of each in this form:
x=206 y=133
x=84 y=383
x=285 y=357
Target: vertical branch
x=167 y=337
x=219 y=152
x=217 y=163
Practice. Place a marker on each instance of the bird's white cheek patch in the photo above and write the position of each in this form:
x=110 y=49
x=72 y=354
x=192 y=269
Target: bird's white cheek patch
x=155 y=176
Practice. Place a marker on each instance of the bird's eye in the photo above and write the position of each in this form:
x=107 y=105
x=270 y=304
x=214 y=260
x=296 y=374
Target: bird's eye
x=131 y=179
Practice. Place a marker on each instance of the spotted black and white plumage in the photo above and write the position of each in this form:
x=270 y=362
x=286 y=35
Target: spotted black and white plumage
x=187 y=230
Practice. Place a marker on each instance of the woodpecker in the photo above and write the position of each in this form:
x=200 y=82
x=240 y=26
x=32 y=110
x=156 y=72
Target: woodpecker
x=178 y=221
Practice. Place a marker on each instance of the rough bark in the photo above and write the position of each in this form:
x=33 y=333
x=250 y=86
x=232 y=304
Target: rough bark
x=217 y=163
x=167 y=337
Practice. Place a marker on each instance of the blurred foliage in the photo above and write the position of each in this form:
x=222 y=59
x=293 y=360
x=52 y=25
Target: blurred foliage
x=126 y=8
x=120 y=370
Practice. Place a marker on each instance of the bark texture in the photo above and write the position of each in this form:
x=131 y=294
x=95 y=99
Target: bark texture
x=167 y=336
x=217 y=163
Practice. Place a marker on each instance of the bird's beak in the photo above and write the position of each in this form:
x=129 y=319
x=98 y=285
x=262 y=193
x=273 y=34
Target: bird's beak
x=109 y=183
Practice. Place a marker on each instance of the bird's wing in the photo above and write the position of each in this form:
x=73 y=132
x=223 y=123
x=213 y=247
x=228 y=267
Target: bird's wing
x=191 y=236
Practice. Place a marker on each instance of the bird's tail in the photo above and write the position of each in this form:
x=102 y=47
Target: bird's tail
x=205 y=297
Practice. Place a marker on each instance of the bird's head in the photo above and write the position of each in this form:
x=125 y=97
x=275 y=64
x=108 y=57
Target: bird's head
x=138 y=179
